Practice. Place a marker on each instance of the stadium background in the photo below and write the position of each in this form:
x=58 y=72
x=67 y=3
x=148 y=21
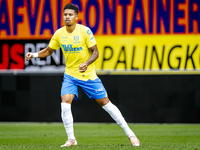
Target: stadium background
x=149 y=60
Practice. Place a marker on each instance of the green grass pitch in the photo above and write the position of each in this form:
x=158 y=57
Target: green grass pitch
x=97 y=136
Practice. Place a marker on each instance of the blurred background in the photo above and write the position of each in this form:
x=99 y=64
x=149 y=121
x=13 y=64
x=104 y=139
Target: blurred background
x=149 y=60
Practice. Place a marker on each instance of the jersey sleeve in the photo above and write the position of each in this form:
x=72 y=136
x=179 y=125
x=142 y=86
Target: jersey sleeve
x=54 y=42
x=90 y=40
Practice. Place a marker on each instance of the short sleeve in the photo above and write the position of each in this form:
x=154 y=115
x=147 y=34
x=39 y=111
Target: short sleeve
x=90 y=40
x=54 y=42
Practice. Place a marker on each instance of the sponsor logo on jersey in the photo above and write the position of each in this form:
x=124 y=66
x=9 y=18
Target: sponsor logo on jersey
x=92 y=38
x=64 y=39
x=70 y=49
x=89 y=32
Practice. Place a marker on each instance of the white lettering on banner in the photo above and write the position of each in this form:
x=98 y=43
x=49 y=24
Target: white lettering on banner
x=29 y=47
x=55 y=61
x=63 y=59
x=56 y=56
x=39 y=47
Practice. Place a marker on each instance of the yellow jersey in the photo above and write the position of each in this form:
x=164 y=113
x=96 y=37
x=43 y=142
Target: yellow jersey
x=75 y=47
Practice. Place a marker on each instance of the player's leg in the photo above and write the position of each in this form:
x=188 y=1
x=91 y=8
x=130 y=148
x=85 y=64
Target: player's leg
x=95 y=90
x=69 y=92
x=115 y=113
x=67 y=119
x=66 y=114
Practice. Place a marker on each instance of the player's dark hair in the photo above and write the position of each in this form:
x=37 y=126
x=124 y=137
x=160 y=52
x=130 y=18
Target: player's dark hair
x=71 y=6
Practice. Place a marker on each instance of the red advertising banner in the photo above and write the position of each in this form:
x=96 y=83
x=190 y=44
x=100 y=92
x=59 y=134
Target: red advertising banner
x=12 y=56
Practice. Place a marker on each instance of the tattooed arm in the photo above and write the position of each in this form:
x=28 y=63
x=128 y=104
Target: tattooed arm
x=93 y=57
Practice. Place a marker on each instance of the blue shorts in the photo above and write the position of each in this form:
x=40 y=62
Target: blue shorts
x=93 y=88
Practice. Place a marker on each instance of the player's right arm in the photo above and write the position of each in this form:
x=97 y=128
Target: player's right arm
x=41 y=54
x=53 y=45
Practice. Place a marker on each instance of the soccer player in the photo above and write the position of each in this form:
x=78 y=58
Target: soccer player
x=80 y=50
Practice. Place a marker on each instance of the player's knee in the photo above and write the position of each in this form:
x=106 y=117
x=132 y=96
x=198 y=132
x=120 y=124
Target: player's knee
x=103 y=101
x=67 y=98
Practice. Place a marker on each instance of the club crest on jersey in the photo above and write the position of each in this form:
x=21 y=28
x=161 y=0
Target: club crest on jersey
x=76 y=38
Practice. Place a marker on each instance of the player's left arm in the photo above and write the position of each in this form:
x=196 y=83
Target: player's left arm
x=93 y=57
